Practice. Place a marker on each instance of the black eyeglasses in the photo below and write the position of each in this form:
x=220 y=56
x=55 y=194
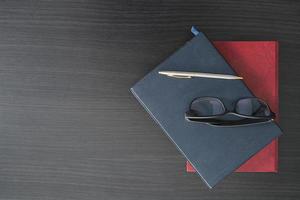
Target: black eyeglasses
x=211 y=110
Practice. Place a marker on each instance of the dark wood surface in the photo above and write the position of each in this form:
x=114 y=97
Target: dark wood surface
x=69 y=127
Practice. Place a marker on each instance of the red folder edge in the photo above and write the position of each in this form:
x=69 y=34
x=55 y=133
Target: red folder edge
x=252 y=60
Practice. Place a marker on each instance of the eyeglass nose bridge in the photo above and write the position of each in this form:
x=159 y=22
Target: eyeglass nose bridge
x=231 y=115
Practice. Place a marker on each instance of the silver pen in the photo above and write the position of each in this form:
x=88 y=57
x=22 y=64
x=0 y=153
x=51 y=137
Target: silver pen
x=183 y=74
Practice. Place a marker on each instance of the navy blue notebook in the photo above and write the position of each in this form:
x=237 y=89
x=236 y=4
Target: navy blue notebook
x=214 y=152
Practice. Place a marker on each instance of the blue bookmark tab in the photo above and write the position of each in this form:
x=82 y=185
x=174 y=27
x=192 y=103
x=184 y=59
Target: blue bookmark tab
x=195 y=31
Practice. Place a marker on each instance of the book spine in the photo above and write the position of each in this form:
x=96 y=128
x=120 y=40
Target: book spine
x=277 y=102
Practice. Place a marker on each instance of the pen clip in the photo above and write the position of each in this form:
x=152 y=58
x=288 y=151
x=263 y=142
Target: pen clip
x=178 y=76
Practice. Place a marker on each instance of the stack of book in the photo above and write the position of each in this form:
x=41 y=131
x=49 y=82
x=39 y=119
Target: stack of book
x=215 y=152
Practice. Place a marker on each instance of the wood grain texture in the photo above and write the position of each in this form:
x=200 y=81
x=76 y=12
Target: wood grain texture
x=70 y=129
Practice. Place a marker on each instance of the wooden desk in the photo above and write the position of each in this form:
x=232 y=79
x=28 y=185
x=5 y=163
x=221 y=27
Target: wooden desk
x=69 y=127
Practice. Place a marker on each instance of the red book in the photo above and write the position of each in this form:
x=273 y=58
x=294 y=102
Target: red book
x=257 y=63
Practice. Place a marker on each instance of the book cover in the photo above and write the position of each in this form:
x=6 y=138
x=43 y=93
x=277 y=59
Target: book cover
x=257 y=63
